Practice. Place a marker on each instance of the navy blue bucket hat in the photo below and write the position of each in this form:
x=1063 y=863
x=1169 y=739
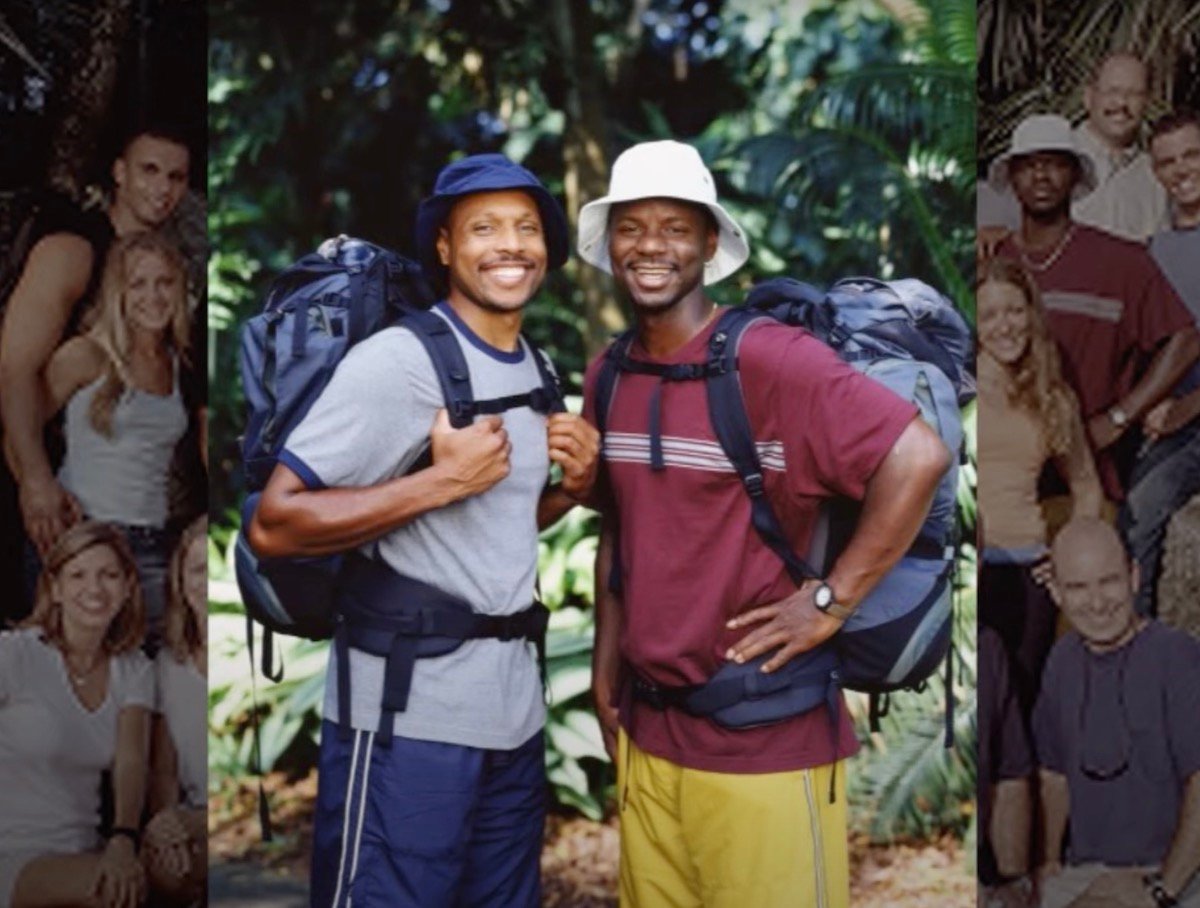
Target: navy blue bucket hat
x=487 y=173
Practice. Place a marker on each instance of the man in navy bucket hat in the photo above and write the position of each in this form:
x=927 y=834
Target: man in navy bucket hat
x=446 y=807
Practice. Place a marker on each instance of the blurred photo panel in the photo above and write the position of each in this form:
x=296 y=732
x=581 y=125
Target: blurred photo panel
x=1088 y=299
x=103 y=481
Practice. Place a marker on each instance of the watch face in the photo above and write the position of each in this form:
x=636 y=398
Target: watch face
x=823 y=597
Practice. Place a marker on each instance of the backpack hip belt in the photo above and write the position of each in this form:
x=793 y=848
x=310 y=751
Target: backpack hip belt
x=809 y=680
x=403 y=619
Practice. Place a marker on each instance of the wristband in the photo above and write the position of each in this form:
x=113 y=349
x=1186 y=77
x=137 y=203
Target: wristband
x=128 y=832
x=1154 y=884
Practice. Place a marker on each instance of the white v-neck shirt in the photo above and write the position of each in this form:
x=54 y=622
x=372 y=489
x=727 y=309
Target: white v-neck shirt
x=52 y=749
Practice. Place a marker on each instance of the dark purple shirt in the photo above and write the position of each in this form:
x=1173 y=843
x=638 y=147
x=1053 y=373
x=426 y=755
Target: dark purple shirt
x=1137 y=707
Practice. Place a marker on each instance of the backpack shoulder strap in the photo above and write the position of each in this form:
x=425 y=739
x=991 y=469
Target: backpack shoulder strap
x=606 y=378
x=448 y=362
x=731 y=424
x=551 y=398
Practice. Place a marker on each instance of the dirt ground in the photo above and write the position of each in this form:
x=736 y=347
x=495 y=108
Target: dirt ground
x=579 y=860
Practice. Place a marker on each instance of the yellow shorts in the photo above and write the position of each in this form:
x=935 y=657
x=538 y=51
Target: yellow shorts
x=694 y=839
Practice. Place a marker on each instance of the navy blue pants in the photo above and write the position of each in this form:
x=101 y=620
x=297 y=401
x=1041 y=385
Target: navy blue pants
x=422 y=824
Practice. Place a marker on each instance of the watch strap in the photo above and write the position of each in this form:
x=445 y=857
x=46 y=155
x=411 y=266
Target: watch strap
x=1162 y=899
x=128 y=832
x=839 y=611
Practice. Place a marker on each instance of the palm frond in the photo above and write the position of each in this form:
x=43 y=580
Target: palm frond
x=947 y=34
x=908 y=105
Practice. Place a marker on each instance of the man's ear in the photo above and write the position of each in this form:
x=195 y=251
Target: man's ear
x=443 y=246
x=119 y=171
x=1135 y=576
x=710 y=245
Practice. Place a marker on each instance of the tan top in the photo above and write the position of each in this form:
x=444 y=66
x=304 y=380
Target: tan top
x=1011 y=455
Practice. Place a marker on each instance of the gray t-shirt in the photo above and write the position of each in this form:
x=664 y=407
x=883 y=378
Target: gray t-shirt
x=373 y=421
x=1177 y=253
x=1136 y=707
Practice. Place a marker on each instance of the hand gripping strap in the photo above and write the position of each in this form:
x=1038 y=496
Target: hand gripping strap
x=727 y=411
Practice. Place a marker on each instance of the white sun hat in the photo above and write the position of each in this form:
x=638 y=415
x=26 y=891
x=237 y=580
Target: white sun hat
x=1043 y=132
x=665 y=169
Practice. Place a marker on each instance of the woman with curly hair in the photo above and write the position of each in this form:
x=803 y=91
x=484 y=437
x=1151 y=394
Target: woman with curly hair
x=119 y=383
x=1027 y=416
x=75 y=700
x=176 y=836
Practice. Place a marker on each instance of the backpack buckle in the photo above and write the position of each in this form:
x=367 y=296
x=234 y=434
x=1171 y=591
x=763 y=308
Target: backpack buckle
x=509 y=628
x=540 y=401
x=754 y=484
x=461 y=409
x=649 y=693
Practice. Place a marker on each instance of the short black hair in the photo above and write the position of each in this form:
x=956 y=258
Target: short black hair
x=166 y=130
x=1176 y=119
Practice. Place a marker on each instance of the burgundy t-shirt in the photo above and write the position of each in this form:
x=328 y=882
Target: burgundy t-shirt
x=1109 y=306
x=689 y=555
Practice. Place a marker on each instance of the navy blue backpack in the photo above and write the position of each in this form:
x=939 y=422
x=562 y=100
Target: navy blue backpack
x=910 y=338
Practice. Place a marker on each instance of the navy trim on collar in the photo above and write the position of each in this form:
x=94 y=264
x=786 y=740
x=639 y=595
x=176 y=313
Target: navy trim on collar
x=503 y=356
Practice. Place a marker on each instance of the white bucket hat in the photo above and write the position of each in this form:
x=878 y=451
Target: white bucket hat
x=654 y=170
x=1044 y=132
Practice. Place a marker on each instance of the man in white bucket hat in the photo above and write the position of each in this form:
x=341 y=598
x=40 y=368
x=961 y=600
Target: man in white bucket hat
x=1125 y=335
x=715 y=815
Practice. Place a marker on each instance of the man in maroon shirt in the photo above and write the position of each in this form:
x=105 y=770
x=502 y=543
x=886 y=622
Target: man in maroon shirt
x=1125 y=335
x=713 y=815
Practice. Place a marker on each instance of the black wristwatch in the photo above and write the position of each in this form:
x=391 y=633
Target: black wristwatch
x=825 y=601
x=128 y=832
x=1154 y=885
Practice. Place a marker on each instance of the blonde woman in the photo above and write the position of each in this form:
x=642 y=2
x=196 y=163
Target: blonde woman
x=1027 y=416
x=119 y=383
x=176 y=835
x=75 y=700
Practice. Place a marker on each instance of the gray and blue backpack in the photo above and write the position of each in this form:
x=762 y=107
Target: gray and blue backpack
x=911 y=339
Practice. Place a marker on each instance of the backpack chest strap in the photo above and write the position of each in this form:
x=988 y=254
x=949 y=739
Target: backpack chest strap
x=619 y=360
x=454 y=377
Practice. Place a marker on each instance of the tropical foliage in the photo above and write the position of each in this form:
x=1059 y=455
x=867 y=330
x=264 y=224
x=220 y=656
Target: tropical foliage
x=841 y=135
x=1036 y=57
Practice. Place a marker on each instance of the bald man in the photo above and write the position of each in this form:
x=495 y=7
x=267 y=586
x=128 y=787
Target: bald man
x=1128 y=200
x=1117 y=739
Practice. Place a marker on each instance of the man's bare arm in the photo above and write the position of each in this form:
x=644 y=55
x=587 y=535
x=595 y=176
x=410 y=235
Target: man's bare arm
x=1183 y=857
x=1056 y=801
x=897 y=499
x=55 y=277
x=1169 y=365
x=1009 y=832
x=895 y=504
x=294 y=520
x=606 y=652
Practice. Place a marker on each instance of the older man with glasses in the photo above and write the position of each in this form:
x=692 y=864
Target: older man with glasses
x=1117 y=738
